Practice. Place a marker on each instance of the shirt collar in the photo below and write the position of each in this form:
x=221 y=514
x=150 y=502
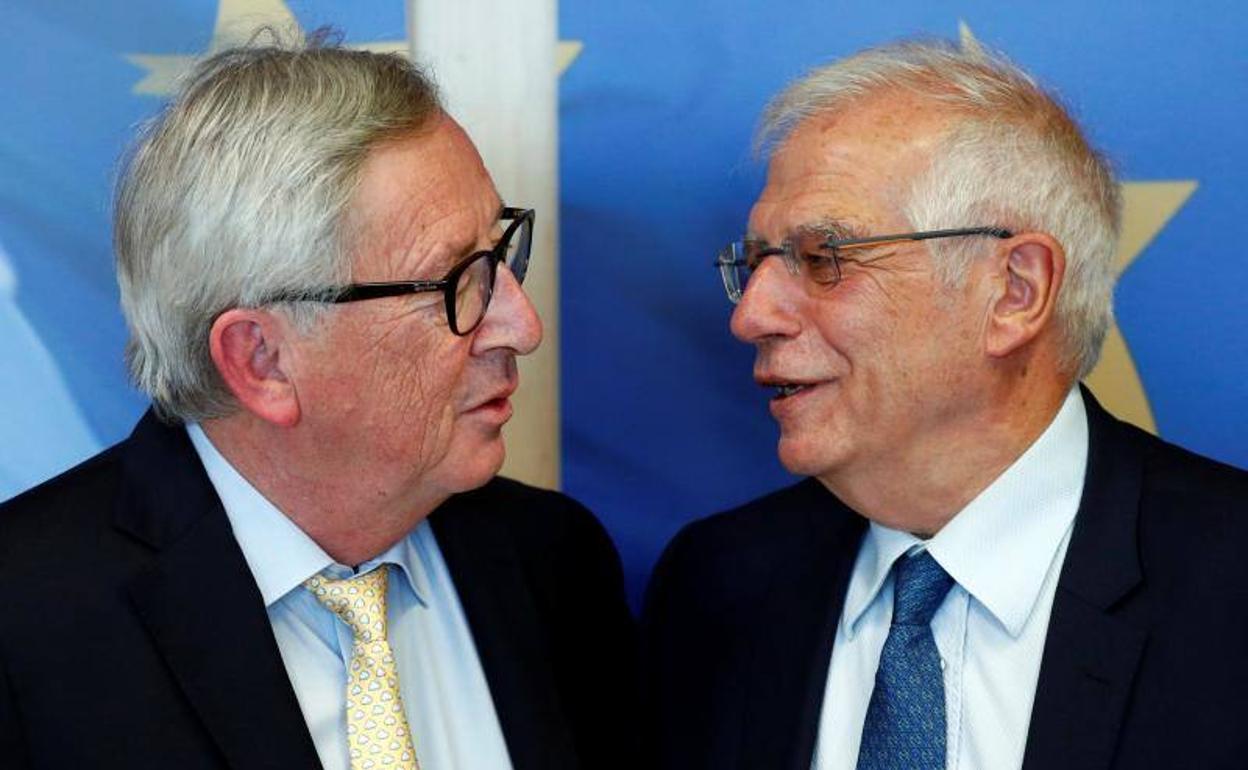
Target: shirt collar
x=280 y=555
x=880 y=548
x=1001 y=545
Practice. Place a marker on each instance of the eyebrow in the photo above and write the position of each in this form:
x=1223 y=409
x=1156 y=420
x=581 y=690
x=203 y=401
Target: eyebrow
x=834 y=229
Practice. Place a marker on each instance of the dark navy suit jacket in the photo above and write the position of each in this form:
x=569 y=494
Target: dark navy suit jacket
x=132 y=634
x=1145 y=664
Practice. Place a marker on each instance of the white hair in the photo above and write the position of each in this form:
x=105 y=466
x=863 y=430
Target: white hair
x=1013 y=158
x=239 y=191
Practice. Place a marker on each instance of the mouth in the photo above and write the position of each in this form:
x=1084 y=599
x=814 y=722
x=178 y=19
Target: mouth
x=497 y=403
x=790 y=389
x=783 y=389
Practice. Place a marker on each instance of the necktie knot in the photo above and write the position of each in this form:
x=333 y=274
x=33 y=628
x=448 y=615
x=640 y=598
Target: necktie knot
x=377 y=730
x=921 y=585
x=359 y=600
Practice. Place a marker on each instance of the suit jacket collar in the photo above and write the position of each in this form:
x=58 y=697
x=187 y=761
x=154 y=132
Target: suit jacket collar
x=1103 y=563
x=1091 y=655
x=200 y=604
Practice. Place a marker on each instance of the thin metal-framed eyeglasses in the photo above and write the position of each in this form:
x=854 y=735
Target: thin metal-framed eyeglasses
x=816 y=255
x=466 y=288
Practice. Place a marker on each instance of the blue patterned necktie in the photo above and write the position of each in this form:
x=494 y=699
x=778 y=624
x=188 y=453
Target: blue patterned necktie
x=905 y=724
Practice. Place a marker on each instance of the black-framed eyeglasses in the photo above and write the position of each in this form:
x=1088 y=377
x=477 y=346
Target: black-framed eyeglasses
x=815 y=255
x=466 y=288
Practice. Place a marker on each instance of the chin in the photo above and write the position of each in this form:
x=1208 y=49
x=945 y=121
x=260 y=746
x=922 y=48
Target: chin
x=802 y=457
x=475 y=468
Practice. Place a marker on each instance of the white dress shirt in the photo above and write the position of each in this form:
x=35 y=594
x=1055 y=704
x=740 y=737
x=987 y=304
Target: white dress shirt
x=445 y=695
x=1005 y=551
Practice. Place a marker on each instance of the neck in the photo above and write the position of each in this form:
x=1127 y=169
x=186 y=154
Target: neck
x=352 y=517
x=920 y=487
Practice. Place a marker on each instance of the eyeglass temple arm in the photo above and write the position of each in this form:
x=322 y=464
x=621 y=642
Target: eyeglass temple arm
x=358 y=291
x=996 y=232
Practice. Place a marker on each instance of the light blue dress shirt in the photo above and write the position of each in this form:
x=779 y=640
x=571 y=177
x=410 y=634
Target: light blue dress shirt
x=445 y=695
x=1005 y=551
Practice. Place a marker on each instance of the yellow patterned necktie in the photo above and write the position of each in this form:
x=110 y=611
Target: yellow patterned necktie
x=377 y=731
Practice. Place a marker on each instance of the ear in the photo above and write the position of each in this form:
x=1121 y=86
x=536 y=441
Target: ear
x=1030 y=279
x=246 y=346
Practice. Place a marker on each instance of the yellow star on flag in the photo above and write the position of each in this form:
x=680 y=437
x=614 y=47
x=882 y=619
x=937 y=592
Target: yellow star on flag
x=1146 y=208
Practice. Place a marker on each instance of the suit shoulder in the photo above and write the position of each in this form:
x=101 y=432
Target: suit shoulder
x=773 y=518
x=1172 y=469
x=727 y=552
x=48 y=515
x=535 y=518
x=1192 y=504
x=1177 y=481
x=525 y=504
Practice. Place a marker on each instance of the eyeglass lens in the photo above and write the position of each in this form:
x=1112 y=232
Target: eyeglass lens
x=517 y=252
x=475 y=285
x=472 y=293
x=805 y=256
x=733 y=270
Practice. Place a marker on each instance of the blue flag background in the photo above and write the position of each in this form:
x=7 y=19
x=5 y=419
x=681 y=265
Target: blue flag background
x=661 y=420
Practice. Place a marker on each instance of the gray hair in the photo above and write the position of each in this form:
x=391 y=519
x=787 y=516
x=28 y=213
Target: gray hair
x=1014 y=158
x=239 y=191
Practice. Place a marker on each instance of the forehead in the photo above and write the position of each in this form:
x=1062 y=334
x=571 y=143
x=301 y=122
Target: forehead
x=422 y=201
x=853 y=166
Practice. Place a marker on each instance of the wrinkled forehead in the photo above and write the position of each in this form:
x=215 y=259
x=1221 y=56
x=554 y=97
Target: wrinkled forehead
x=422 y=202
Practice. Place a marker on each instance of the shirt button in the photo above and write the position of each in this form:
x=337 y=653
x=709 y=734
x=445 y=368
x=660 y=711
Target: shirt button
x=942 y=664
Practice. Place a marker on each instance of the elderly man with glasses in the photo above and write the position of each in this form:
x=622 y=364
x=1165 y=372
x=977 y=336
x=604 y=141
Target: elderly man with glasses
x=302 y=557
x=984 y=568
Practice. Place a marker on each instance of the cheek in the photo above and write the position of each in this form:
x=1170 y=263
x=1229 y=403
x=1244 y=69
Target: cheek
x=417 y=389
x=931 y=358
x=878 y=348
x=431 y=387
x=854 y=334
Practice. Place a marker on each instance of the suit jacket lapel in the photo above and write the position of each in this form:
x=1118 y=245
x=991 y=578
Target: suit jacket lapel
x=500 y=610
x=1090 y=656
x=202 y=608
x=788 y=670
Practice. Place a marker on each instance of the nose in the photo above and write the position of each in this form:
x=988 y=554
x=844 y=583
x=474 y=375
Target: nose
x=510 y=321
x=768 y=306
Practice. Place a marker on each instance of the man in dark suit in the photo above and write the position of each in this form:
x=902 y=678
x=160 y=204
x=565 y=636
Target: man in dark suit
x=985 y=569
x=301 y=556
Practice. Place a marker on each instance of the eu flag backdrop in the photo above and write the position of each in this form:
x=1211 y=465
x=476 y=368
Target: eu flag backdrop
x=660 y=419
